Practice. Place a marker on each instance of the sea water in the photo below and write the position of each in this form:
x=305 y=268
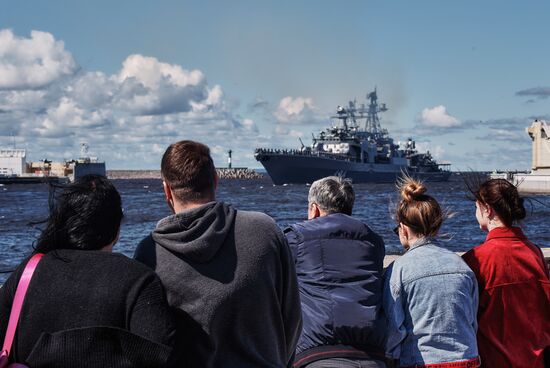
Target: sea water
x=144 y=204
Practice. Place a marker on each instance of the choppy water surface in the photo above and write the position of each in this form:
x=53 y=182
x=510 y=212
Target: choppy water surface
x=144 y=205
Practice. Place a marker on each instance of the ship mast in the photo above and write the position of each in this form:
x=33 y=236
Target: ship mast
x=372 y=124
x=343 y=115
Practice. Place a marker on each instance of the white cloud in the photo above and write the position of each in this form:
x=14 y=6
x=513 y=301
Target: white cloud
x=146 y=86
x=31 y=63
x=127 y=117
x=438 y=117
x=23 y=100
x=512 y=135
x=436 y=150
x=295 y=134
x=249 y=125
x=92 y=89
x=294 y=110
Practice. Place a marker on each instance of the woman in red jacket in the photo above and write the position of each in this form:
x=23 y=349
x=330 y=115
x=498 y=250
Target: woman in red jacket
x=514 y=303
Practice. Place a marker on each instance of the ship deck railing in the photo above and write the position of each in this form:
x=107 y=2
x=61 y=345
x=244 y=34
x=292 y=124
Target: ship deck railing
x=295 y=152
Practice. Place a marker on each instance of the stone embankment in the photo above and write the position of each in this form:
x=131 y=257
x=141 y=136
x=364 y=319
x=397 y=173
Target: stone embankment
x=133 y=174
x=223 y=173
x=238 y=173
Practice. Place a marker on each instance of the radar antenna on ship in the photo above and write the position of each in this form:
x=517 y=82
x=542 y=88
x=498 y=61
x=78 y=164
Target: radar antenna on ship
x=84 y=149
x=372 y=124
x=343 y=115
x=84 y=157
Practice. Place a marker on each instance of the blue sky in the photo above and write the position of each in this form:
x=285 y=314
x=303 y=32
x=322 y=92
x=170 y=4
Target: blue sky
x=129 y=77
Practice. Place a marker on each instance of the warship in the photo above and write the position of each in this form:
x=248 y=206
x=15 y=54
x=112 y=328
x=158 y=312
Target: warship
x=365 y=154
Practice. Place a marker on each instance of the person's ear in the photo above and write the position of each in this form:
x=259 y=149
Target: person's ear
x=314 y=211
x=168 y=195
x=405 y=231
x=490 y=212
x=216 y=179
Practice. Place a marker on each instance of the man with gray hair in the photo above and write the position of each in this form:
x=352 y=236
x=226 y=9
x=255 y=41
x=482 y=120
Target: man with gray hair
x=339 y=263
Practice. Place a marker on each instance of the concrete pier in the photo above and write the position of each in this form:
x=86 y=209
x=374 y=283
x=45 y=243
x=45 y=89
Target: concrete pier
x=390 y=258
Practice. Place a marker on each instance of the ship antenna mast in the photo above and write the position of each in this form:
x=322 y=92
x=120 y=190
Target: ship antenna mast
x=342 y=114
x=372 y=124
x=84 y=150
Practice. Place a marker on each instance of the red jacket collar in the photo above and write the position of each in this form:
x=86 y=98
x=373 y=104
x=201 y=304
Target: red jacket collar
x=505 y=232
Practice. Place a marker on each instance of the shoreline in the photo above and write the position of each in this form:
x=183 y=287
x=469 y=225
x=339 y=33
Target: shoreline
x=223 y=173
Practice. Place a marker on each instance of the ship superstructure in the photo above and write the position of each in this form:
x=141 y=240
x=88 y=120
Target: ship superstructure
x=14 y=169
x=363 y=152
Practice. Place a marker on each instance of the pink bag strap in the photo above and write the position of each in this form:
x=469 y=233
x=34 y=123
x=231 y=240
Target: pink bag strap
x=19 y=299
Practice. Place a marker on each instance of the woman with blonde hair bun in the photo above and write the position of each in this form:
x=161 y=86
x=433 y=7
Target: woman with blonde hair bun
x=430 y=294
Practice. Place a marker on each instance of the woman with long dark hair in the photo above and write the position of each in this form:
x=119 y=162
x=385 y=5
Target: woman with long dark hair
x=86 y=306
x=514 y=310
x=430 y=294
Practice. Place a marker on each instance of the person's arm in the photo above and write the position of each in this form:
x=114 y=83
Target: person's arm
x=395 y=313
x=290 y=301
x=7 y=293
x=146 y=252
x=293 y=241
x=475 y=300
x=151 y=316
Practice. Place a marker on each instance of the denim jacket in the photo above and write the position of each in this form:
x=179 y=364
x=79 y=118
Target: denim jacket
x=430 y=300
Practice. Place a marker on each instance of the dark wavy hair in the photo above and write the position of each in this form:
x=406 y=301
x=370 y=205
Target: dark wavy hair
x=86 y=215
x=504 y=198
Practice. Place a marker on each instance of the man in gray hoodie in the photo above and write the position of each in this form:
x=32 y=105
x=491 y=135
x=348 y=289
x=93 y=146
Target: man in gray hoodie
x=228 y=274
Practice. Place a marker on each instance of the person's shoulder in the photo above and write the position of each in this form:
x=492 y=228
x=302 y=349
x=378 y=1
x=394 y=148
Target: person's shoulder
x=128 y=263
x=258 y=228
x=134 y=271
x=100 y=261
x=254 y=218
x=358 y=226
x=480 y=253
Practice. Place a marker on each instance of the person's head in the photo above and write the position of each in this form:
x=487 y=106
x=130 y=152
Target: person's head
x=418 y=215
x=86 y=215
x=188 y=173
x=498 y=204
x=332 y=194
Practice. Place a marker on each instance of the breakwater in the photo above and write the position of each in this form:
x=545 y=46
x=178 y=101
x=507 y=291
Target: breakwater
x=223 y=173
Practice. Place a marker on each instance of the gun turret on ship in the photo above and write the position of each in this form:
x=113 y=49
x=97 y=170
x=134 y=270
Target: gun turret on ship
x=363 y=153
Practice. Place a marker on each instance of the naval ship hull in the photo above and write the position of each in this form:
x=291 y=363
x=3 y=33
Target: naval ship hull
x=302 y=169
x=86 y=168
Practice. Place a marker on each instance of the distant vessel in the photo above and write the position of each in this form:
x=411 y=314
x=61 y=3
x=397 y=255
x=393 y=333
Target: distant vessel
x=14 y=169
x=85 y=165
x=364 y=154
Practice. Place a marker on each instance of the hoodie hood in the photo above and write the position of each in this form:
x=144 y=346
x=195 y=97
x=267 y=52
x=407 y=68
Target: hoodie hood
x=196 y=234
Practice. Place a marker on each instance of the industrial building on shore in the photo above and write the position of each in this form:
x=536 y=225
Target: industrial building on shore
x=537 y=181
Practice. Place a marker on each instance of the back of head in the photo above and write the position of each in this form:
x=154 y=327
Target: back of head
x=85 y=216
x=504 y=199
x=332 y=194
x=189 y=171
x=419 y=211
